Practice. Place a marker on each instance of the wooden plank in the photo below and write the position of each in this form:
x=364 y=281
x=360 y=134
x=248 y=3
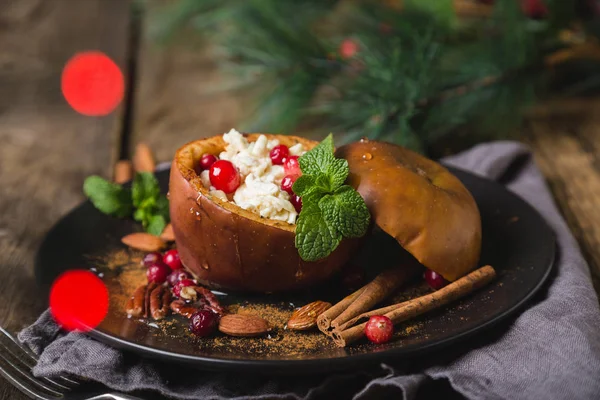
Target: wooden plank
x=178 y=96
x=565 y=149
x=47 y=149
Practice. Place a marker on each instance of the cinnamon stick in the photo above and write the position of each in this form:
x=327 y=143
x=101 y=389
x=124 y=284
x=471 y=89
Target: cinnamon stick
x=324 y=320
x=420 y=305
x=123 y=171
x=369 y=314
x=378 y=289
x=143 y=159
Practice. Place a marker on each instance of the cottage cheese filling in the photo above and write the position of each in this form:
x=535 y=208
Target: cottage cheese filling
x=260 y=191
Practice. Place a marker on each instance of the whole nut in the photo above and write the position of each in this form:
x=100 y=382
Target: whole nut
x=306 y=317
x=143 y=241
x=167 y=234
x=243 y=325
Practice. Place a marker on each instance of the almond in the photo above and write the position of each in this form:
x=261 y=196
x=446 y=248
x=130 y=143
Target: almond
x=123 y=171
x=306 y=317
x=143 y=159
x=243 y=325
x=143 y=241
x=168 y=235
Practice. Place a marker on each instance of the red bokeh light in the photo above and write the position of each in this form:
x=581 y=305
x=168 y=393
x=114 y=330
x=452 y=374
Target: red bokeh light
x=78 y=300
x=92 y=83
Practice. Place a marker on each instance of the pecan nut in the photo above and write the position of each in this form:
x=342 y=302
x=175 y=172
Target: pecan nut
x=150 y=300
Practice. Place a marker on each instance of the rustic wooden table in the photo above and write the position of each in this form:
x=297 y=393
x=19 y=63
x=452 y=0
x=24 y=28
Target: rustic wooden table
x=48 y=149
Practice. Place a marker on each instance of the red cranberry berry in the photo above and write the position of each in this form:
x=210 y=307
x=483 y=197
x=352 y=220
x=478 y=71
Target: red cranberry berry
x=287 y=183
x=224 y=176
x=181 y=284
x=291 y=166
x=203 y=322
x=151 y=258
x=158 y=272
x=279 y=154
x=296 y=202
x=176 y=276
x=171 y=258
x=435 y=280
x=348 y=48
x=379 y=329
x=206 y=161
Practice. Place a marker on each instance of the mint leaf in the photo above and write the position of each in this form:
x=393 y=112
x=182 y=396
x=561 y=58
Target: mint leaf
x=338 y=172
x=156 y=225
x=331 y=210
x=347 y=211
x=140 y=215
x=303 y=184
x=162 y=207
x=315 y=238
x=319 y=158
x=108 y=197
x=145 y=186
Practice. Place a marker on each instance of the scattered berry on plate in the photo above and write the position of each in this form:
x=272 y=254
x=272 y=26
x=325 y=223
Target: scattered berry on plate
x=176 y=276
x=151 y=258
x=379 y=329
x=435 y=280
x=171 y=258
x=203 y=322
x=158 y=272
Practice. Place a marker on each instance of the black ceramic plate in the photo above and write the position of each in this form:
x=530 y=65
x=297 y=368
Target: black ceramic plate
x=516 y=241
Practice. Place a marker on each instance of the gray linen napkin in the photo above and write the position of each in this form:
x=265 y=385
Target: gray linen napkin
x=552 y=350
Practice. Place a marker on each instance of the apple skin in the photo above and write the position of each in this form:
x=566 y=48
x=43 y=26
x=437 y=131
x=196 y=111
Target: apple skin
x=419 y=203
x=227 y=247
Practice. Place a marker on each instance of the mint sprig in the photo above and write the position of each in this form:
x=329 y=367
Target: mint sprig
x=331 y=210
x=143 y=202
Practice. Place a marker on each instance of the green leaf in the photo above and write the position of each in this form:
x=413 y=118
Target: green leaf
x=347 y=211
x=162 y=207
x=108 y=197
x=145 y=186
x=315 y=238
x=319 y=158
x=338 y=172
x=303 y=184
x=156 y=225
x=139 y=215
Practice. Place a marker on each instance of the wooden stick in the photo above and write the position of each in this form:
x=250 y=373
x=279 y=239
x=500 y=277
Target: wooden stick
x=123 y=171
x=143 y=159
x=324 y=320
x=377 y=290
x=423 y=304
x=369 y=314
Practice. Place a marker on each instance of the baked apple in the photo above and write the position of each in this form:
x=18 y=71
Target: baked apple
x=419 y=203
x=226 y=238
